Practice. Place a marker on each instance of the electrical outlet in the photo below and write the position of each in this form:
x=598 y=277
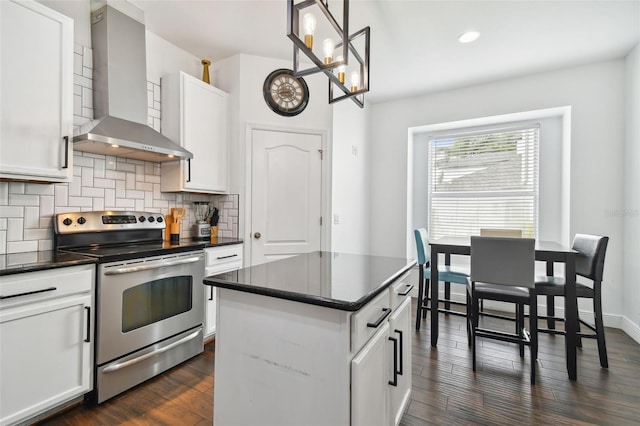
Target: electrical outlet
x=336 y=219
x=354 y=150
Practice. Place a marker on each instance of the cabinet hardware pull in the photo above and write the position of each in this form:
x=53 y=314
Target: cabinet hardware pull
x=409 y=288
x=148 y=355
x=154 y=265
x=88 y=310
x=394 y=382
x=28 y=293
x=211 y=296
x=66 y=152
x=401 y=355
x=226 y=257
x=188 y=169
x=376 y=323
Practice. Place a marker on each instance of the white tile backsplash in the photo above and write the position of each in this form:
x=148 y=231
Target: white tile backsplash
x=99 y=182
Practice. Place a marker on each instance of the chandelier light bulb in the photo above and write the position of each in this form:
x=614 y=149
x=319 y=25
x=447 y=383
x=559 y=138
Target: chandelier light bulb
x=309 y=25
x=341 y=69
x=355 y=81
x=328 y=46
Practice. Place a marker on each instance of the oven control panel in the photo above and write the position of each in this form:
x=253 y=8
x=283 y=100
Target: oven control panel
x=108 y=220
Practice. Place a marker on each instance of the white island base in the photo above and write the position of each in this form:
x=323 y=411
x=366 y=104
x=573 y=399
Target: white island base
x=284 y=362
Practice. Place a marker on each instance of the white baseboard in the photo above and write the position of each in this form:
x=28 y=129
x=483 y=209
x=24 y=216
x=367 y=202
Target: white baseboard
x=633 y=330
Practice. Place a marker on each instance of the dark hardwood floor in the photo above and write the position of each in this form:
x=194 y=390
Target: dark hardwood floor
x=445 y=389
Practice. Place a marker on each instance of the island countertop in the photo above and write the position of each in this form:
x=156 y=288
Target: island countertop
x=335 y=280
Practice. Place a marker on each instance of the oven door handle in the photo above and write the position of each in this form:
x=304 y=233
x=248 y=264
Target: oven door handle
x=159 y=351
x=155 y=265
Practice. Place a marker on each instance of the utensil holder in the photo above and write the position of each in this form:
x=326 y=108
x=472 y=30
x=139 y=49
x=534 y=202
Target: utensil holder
x=168 y=220
x=175 y=232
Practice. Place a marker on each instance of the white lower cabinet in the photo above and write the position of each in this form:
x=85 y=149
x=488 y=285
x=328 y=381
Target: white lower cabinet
x=280 y=361
x=369 y=381
x=217 y=261
x=381 y=370
x=400 y=390
x=46 y=340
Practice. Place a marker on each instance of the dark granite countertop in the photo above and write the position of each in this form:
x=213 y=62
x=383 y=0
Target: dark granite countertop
x=334 y=280
x=17 y=263
x=222 y=241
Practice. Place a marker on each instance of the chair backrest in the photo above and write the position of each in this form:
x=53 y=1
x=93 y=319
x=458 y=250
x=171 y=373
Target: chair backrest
x=422 y=244
x=503 y=261
x=590 y=258
x=497 y=232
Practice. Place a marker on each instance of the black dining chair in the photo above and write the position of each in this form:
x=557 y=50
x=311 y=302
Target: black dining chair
x=503 y=269
x=446 y=273
x=590 y=265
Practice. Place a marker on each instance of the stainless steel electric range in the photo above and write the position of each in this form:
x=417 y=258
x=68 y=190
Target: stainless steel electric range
x=149 y=298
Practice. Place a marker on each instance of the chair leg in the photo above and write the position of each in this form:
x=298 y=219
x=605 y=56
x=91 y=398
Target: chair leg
x=520 y=326
x=425 y=302
x=447 y=295
x=421 y=284
x=551 y=312
x=474 y=326
x=579 y=340
x=533 y=330
x=602 y=346
x=468 y=318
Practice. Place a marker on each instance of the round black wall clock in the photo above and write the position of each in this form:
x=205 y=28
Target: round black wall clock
x=285 y=94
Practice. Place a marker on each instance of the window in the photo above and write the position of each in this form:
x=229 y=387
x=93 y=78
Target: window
x=486 y=179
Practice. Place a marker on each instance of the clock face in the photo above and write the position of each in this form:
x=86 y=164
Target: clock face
x=285 y=94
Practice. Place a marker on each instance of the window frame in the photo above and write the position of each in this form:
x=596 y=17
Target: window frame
x=503 y=127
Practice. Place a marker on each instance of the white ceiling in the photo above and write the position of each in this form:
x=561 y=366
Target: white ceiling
x=414 y=47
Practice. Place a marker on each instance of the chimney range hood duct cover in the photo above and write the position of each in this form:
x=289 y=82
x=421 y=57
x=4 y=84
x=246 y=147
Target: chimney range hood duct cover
x=120 y=94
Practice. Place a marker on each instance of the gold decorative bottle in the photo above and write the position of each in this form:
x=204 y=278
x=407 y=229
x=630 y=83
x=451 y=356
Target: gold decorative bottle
x=205 y=71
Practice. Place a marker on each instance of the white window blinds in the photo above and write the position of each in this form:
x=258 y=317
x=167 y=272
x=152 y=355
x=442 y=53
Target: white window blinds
x=485 y=179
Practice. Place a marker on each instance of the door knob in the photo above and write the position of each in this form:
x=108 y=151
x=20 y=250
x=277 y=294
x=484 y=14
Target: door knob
x=257 y=235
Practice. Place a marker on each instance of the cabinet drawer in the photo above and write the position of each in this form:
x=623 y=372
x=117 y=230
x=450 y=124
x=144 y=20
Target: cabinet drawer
x=224 y=258
x=366 y=322
x=42 y=285
x=399 y=291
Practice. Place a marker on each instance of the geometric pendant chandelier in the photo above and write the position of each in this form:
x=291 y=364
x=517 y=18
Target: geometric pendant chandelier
x=342 y=57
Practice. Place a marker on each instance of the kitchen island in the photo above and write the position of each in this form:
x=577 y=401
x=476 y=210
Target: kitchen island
x=315 y=339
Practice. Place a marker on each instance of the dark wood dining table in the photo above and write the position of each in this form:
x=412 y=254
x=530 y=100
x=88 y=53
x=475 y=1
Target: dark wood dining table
x=547 y=251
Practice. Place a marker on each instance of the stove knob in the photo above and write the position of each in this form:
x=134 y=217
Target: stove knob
x=82 y=220
x=151 y=219
x=67 y=221
x=159 y=219
x=141 y=219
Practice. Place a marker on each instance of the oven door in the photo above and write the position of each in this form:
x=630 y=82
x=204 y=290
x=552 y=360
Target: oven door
x=143 y=301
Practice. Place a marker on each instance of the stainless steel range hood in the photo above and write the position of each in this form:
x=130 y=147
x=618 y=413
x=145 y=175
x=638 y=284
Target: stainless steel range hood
x=120 y=94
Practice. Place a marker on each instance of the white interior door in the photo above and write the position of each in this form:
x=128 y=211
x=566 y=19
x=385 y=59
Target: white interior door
x=286 y=194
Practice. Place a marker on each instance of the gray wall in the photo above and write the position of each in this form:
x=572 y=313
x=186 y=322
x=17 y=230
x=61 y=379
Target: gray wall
x=631 y=211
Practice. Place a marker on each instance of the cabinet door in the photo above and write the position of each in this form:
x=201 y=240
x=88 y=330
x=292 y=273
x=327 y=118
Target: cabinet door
x=36 y=104
x=219 y=260
x=400 y=322
x=210 y=299
x=369 y=381
x=45 y=355
x=204 y=133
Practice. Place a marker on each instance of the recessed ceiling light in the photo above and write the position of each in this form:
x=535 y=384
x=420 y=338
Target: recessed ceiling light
x=469 y=36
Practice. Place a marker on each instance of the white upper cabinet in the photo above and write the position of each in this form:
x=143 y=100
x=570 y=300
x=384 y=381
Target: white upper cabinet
x=36 y=92
x=194 y=114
